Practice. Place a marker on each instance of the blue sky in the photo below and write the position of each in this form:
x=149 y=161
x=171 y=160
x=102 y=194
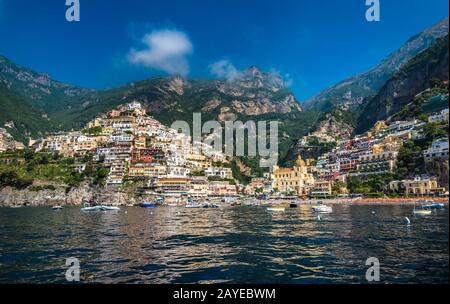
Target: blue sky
x=312 y=44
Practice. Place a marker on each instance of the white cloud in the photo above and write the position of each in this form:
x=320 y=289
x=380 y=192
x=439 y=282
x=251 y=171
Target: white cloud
x=166 y=50
x=276 y=76
x=225 y=69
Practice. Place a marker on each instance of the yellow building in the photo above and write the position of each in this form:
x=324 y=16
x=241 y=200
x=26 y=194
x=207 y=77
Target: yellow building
x=295 y=179
x=416 y=187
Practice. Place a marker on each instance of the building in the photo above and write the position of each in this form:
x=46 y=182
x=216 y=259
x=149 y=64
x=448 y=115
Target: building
x=222 y=188
x=147 y=170
x=199 y=187
x=219 y=172
x=377 y=162
x=293 y=180
x=322 y=188
x=173 y=185
x=416 y=187
x=439 y=117
x=438 y=149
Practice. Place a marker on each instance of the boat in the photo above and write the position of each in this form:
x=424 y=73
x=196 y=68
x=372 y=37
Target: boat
x=272 y=209
x=88 y=208
x=57 y=207
x=214 y=206
x=322 y=209
x=95 y=208
x=194 y=205
x=432 y=205
x=109 y=208
x=422 y=212
x=148 y=205
x=15 y=206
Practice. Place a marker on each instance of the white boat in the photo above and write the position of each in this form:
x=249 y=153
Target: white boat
x=109 y=208
x=88 y=208
x=272 y=209
x=322 y=209
x=194 y=205
x=57 y=207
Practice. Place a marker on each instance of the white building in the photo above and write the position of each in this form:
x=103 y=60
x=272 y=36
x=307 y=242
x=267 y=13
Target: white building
x=439 y=117
x=223 y=173
x=438 y=149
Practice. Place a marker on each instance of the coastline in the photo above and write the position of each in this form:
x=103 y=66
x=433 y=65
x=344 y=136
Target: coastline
x=76 y=197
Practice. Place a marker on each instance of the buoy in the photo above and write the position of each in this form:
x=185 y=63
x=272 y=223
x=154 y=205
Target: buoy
x=407 y=220
x=373 y=212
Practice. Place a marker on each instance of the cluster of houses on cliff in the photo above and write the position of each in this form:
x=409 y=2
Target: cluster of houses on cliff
x=374 y=152
x=135 y=146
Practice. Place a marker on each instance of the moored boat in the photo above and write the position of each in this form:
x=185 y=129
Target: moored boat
x=422 y=212
x=57 y=207
x=109 y=208
x=148 y=205
x=194 y=205
x=432 y=205
x=322 y=209
x=88 y=208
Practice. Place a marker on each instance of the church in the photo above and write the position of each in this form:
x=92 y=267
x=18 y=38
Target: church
x=296 y=180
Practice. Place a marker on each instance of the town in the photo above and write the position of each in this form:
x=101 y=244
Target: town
x=132 y=148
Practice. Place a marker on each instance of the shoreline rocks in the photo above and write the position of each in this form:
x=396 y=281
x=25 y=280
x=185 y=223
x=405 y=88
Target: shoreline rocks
x=60 y=196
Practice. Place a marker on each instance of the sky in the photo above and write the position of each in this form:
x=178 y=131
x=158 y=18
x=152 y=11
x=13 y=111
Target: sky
x=312 y=44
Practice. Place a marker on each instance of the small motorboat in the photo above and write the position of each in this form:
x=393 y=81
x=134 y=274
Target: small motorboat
x=109 y=208
x=421 y=211
x=432 y=205
x=148 y=205
x=273 y=209
x=15 y=206
x=88 y=208
x=214 y=206
x=194 y=205
x=322 y=209
x=57 y=207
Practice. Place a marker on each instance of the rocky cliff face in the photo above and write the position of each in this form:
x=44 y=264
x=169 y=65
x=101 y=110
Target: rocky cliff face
x=351 y=93
x=418 y=75
x=335 y=124
x=59 y=196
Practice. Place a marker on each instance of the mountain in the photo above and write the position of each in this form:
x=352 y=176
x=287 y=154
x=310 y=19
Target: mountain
x=36 y=103
x=424 y=72
x=352 y=93
x=37 y=88
x=254 y=93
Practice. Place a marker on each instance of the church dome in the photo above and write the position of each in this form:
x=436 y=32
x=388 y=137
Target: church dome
x=300 y=162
